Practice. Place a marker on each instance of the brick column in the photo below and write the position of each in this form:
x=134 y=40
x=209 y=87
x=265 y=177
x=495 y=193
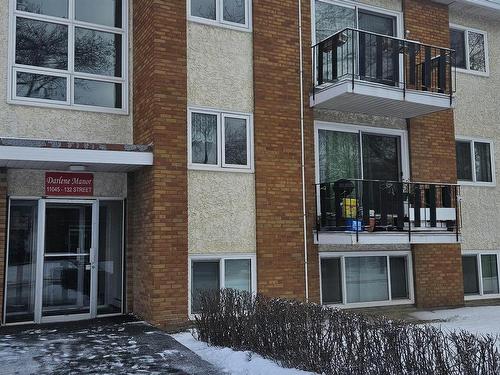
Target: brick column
x=3 y=234
x=437 y=268
x=280 y=234
x=158 y=248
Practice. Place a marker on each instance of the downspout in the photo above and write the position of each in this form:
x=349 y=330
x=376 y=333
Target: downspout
x=303 y=157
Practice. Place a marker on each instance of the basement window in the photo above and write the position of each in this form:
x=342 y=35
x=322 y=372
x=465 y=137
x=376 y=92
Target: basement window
x=229 y=13
x=480 y=272
x=213 y=273
x=220 y=140
x=471 y=48
x=365 y=279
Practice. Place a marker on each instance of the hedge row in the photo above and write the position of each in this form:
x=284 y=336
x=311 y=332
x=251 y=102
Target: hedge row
x=322 y=340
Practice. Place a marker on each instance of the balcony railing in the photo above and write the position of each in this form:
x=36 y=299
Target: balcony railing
x=352 y=54
x=370 y=206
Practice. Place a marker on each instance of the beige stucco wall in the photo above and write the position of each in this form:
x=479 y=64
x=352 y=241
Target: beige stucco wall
x=60 y=124
x=221 y=204
x=476 y=115
x=31 y=183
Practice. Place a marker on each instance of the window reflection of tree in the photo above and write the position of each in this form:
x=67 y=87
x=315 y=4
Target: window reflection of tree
x=338 y=156
x=96 y=52
x=234 y=11
x=204 y=138
x=476 y=52
x=236 y=143
x=41 y=86
x=203 y=8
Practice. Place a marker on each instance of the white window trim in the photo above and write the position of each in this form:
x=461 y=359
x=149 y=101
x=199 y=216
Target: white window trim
x=357 y=6
x=221 y=258
x=467 y=70
x=478 y=254
x=350 y=128
x=387 y=254
x=219 y=20
x=69 y=74
x=221 y=165
x=472 y=140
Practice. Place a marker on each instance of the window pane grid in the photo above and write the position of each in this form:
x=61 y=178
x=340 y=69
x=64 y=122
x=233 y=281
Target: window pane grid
x=226 y=12
x=471 y=49
x=480 y=273
x=361 y=279
x=117 y=74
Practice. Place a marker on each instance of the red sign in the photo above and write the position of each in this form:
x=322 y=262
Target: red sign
x=69 y=184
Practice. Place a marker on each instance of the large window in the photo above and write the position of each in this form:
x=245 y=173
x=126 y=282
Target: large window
x=70 y=53
x=352 y=152
x=471 y=49
x=480 y=271
x=220 y=140
x=213 y=273
x=366 y=278
x=475 y=162
x=233 y=13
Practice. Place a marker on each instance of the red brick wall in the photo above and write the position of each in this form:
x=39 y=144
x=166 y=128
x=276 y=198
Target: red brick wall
x=3 y=233
x=438 y=275
x=280 y=235
x=157 y=248
x=438 y=268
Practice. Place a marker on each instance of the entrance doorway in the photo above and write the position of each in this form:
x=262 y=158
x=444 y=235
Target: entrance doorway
x=64 y=260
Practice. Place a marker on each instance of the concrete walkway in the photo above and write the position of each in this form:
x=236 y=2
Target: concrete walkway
x=109 y=346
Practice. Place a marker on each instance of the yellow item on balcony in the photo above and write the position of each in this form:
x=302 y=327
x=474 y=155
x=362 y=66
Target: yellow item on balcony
x=349 y=208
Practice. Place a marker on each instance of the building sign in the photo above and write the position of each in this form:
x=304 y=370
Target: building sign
x=69 y=184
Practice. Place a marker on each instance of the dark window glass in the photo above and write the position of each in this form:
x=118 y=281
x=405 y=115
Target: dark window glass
x=399 y=278
x=29 y=85
x=471 y=279
x=20 y=278
x=235 y=142
x=331 y=281
x=101 y=12
x=97 y=93
x=331 y=18
x=204 y=138
x=203 y=8
x=98 y=52
x=40 y=43
x=366 y=279
x=464 y=162
x=482 y=155
x=458 y=44
x=477 y=53
x=205 y=276
x=55 y=8
x=238 y=274
x=381 y=157
x=490 y=273
x=234 y=11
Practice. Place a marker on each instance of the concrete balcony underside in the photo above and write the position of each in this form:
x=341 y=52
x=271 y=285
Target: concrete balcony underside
x=378 y=99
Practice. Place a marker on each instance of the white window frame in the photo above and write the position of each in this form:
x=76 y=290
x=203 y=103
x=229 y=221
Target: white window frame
x=478 y=254
x=70 y=73
x=349 y=128
x=221 y=162
x=388 y=255
x=221 y=258
x=219 y=17
x=474 y=181
x=468 y=70
x=357 y=7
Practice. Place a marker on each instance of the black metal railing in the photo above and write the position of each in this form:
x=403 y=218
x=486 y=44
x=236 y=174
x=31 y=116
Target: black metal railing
x=387 y=206
x=352 y=54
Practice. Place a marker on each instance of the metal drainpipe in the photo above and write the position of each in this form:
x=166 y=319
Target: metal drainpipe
x=302 y=143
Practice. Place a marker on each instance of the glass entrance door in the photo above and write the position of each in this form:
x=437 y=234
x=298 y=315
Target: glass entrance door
x=68 y=260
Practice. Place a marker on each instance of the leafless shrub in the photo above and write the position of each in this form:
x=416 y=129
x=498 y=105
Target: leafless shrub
x=314 y=338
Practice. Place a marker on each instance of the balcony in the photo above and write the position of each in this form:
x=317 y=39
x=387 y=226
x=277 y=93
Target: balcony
x=363 y=72
x=387 y=212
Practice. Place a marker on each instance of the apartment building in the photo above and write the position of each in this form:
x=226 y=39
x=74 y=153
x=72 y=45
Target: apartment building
x=334 y=151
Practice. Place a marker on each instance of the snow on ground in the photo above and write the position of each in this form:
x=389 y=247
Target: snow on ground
x=233 y=362
x=484 y=320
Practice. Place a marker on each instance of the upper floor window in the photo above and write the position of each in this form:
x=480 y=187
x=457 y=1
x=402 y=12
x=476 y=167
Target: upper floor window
x=220 y=140
x=471 y=49
x=69 y=53
x=235 y=13
x=475 y=163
